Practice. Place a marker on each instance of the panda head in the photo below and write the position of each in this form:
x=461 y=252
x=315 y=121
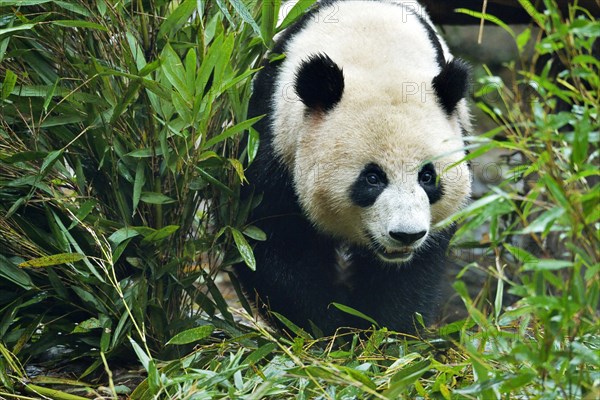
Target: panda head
x=372 y=165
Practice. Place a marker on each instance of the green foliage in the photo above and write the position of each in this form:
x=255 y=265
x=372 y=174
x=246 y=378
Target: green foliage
x=376 y=364
x=543 y=220
x=119 y=131
x=119 y=181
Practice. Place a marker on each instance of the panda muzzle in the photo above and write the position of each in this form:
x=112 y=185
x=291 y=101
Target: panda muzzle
x=397 y=255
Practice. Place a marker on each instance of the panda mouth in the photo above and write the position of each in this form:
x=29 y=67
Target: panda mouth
x=395 y=256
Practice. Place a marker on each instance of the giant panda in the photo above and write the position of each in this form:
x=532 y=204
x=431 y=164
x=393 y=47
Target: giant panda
x=361 y=155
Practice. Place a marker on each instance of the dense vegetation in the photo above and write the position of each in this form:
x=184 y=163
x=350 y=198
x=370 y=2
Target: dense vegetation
x=120 y=128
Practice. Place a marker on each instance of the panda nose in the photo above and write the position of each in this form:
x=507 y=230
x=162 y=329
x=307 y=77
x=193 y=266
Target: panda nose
x=407 y=238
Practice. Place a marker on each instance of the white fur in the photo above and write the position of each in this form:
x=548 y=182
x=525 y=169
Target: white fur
x=388 y=115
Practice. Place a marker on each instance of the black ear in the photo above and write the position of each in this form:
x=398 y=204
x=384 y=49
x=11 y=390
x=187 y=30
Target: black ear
x=452 y=84
x=319 y=83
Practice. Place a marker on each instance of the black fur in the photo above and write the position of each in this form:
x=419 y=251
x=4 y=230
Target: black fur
x=434 y=188
x=296 y=272
x=320 y=83
x=435 y=41
x=391 y=295
x=451 y=84
x=363 y=193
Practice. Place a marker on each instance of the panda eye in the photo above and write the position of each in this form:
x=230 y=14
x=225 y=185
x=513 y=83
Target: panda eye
x=426 y=178
x=373 y=179
x=427 y=175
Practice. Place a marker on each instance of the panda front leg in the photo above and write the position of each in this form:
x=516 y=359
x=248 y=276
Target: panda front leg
x=296 y=275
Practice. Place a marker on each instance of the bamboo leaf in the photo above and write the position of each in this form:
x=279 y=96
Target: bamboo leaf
x=487 y=17
x=244 y=248
x=136 y=51
x=291 y=326
x=50 y=393
x=79 y=24
x=142 y=356
x=253 y=144
x=238 y=167
x=206 y=70
x=359 y=376
x=85 y=209
x=161 y=234
x=8 y=270
x=23 y=157
x=122 y=234
x=23 y=3
x=211 y=179
x=13 y=29
x=128 y=98
x=544 y=221
x=231 y=131
x=523 y=39
x=173 y=68
x=268 y=21
x=356 y=313
x=3 y=47
x=295 y=12
x=192 y=335
x=538 y=17
x=521 y=255
x=56 y=259
x=557 y=192
x=406 y=376
x=546 y=265
x=243 y=12
x=49 y=161
x=75 y=245
x=190 y=68
x=50 y=95
x=138 y=185
x=89 y=298
x=58 y=285
x=142 y=153
x=16 y=205
x=255 y=233
x=260 y=353
x=8 y=84
x=71 y=6
x=225 y=12
x=177 y=18
x=156 y=198
x=87 y=325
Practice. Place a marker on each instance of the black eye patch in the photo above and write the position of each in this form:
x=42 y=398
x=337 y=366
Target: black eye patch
x=368 y=186
x=430 y=182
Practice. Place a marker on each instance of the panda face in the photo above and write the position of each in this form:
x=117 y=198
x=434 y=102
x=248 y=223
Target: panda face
x=370 y=126
x=379 y=177
x=396 y=235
